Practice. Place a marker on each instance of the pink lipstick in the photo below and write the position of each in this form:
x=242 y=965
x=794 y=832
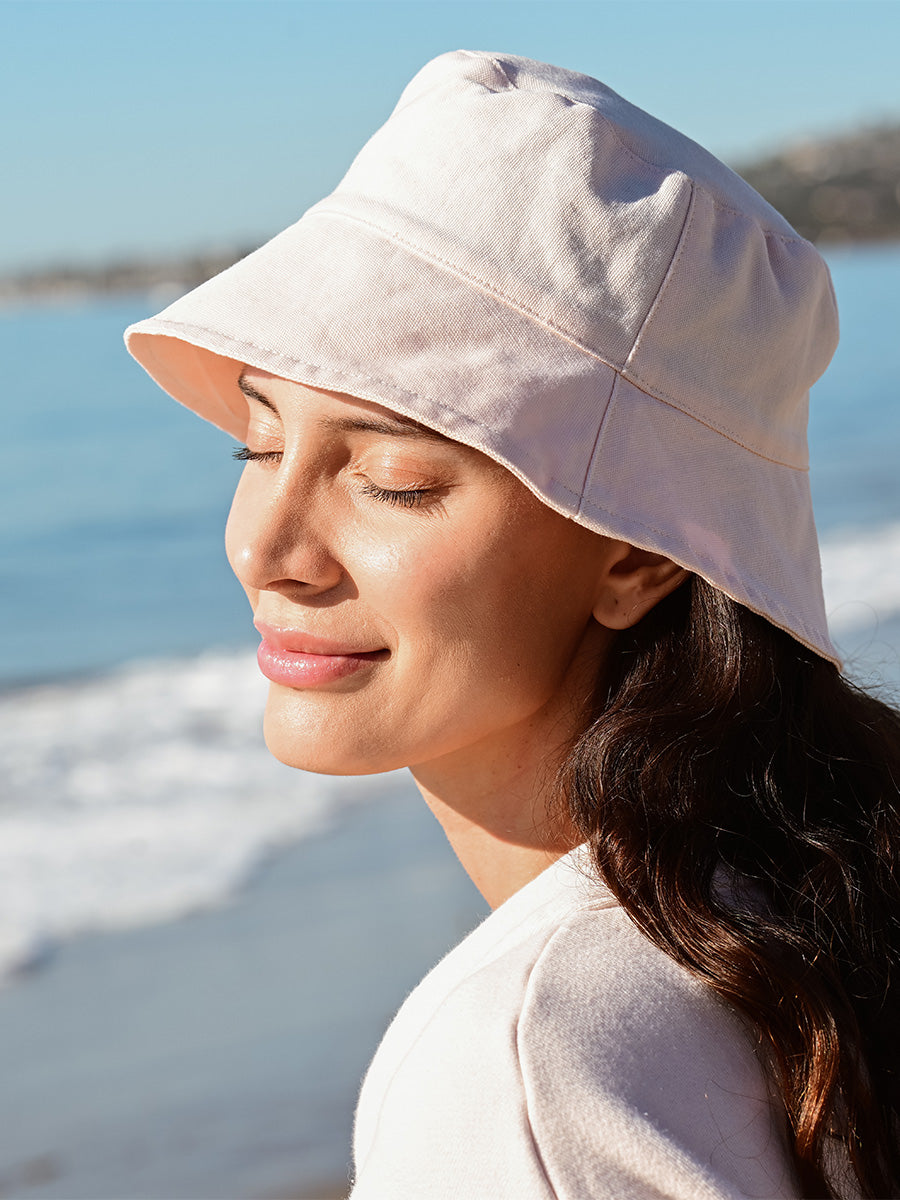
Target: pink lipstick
x=303 y=660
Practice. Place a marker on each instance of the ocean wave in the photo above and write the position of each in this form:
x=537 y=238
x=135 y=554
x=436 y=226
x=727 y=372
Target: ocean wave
x=861 y=577
x=141 y=796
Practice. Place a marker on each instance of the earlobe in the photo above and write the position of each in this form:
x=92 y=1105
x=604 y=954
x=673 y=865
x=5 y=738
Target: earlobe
x=632 y=582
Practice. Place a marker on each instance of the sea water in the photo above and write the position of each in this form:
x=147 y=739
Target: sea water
x=135 y=785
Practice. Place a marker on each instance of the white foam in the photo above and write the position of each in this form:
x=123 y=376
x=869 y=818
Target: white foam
x=861 y=577
x=148 y=793
x=141 y=796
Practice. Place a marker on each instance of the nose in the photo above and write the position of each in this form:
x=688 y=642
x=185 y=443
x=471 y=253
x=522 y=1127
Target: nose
x=276 y=538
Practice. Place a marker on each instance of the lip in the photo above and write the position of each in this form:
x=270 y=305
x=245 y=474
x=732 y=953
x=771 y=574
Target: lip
x=298 y=659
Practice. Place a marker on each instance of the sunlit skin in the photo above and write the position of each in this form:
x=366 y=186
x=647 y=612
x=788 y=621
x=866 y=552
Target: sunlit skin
x=482 y=616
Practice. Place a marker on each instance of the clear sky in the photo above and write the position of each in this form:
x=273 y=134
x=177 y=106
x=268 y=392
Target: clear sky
x=156 y=126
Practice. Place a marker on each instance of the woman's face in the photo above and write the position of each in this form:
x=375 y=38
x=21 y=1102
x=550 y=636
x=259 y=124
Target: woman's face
x=417 y=603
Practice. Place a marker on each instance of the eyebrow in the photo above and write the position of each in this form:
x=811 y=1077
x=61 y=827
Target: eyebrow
x=252 y=394
x=393 y=425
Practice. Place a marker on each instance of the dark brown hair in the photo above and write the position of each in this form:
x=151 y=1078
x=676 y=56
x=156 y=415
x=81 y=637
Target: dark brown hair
x=720 y=748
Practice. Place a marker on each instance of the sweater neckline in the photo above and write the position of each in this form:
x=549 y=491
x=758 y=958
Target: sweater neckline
x=571 y=879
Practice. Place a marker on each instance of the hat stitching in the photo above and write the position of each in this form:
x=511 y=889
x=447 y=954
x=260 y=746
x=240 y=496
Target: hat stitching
x=663 y=399
x=657 y=299
x=391 y=386
x=663 y=171
x=237 y=343
x=583 y=502
x=217 y=336
x=573 y=103
x=658 y=394
x=587 y=502
x=480 y=56
x=471 y=277
x=590 y=465
x=634 y=375
x=548 y=323
x=797 y=240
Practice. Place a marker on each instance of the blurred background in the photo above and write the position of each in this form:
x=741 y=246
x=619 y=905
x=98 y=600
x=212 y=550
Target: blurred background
x=199 y=948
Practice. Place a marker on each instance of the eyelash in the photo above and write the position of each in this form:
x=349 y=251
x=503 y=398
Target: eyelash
x=245 y=454
x=401 y=497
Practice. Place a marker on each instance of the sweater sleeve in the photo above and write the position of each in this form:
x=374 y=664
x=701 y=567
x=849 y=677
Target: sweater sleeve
x=640 y=1084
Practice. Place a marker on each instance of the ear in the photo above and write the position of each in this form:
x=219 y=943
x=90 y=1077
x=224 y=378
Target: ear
x=632 y=582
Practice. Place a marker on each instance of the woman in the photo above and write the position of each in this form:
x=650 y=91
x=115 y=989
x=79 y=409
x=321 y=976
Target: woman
x=526 y=510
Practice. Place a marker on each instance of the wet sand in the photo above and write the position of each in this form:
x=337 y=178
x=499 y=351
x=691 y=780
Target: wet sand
x=220 y=1055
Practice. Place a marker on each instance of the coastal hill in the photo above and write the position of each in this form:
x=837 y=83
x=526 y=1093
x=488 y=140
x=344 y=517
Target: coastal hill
x=832 y=190
x=843 y=189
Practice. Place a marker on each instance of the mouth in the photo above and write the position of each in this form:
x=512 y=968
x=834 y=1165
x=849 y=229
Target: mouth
x=297 y=659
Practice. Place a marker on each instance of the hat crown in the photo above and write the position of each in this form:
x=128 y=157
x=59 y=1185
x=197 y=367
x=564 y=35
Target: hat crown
x=546 y=188
x=528 y=264
x=647 y=137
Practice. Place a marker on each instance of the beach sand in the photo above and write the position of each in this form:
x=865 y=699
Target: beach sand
x=220 y=1055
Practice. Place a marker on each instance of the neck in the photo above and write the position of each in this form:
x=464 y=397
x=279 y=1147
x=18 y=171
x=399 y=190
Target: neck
x=497 y=810
x=497 y=800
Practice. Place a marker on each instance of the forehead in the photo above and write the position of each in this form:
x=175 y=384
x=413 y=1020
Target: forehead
x=289 y=400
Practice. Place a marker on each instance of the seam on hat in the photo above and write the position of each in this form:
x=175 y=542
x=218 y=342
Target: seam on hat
x=657 y=394
x=547 y=323
x=578 y=497
x=796 y=240
x=582 y=502
x=666 y=279
x=469 y=277
x=632 y=377
x=480 y=56
x=512 y=86
x=663 y=399
x=654 y=390
x=343 y=374
x=594 y=449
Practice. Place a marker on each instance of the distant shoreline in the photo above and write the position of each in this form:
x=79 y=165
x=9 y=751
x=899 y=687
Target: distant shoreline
x=835 y=191
x=167 y=277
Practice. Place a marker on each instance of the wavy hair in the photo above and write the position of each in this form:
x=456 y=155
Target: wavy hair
x=719 y=749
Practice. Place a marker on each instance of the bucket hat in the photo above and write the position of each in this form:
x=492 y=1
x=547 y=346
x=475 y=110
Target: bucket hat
x=525 y=262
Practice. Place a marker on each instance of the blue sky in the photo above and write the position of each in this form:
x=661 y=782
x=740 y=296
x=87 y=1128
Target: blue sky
x=155 y=126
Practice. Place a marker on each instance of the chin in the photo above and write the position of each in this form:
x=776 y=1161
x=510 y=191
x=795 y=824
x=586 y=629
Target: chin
x=318 y=744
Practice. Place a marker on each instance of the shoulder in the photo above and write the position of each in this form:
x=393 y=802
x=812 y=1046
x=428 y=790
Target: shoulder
x=620 y=1047
x=557 y=1054
x=442 y=1110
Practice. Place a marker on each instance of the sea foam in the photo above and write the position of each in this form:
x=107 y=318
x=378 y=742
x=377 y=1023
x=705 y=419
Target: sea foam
x=145 y=794
x=861 y=576
x=141 y=796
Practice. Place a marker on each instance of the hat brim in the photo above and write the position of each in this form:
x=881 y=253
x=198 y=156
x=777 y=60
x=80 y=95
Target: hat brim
x=334 y=304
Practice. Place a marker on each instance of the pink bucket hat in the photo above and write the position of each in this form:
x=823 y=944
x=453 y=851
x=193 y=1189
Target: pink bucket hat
x=526 y=263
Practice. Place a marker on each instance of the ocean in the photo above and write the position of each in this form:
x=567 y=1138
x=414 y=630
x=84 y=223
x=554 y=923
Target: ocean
x=130 y=693
x=136 y=789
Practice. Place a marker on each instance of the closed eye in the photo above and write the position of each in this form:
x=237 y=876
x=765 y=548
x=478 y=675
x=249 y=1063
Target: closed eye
x=404 y=497
x=245 y=454
x=412 y=497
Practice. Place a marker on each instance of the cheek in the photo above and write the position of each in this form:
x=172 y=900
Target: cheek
x=381 y=565
x=427 y=587
x=484 y=621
